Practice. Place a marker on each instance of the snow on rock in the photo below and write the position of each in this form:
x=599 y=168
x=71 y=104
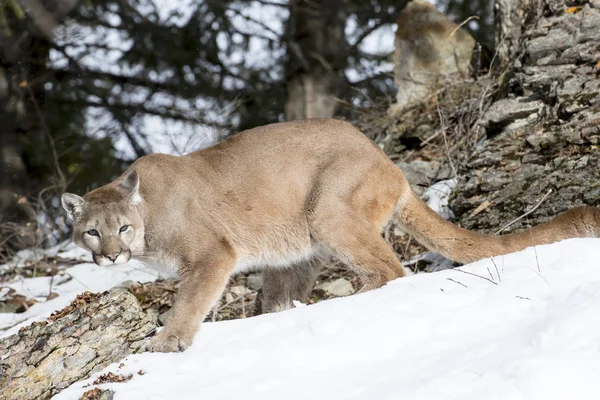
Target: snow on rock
x=524 y=326
x=437 y=196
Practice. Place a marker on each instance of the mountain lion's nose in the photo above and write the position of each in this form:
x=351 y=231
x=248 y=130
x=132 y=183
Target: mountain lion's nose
x=113 y=257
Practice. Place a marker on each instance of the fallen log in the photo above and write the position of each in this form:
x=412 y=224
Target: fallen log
x=94 y=331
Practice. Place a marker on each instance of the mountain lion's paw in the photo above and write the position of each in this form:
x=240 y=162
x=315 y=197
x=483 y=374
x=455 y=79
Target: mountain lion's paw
x=166 y=343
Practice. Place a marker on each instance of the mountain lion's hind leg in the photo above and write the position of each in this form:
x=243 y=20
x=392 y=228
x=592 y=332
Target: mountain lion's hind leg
x=361 y=247
x=281 y=286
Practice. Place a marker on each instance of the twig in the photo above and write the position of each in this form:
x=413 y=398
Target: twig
x=443 y=128
x=472 y=17
x=243 y=307
x=522 y=298
x=537 y=260
x=215 y=311
x=496 y=266
x=407 y=245
x=229 y=303
x=526 y=214
x=51 y=282
x=78 y=281
x=429 y=139
x=479 y=276
x=460 y=283
x=272 y=3
x=540 y=275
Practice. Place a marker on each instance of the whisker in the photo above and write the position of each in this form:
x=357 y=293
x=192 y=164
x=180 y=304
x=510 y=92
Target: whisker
x=144 y=253
x=149 y=271
x=78 y=281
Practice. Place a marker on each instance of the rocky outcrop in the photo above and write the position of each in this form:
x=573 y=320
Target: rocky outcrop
x=544 y=134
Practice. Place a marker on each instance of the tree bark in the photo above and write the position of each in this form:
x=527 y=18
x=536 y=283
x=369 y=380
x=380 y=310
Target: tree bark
x=509 y=16
x=91 y=333
x=25 y=35
x=317 y=57
x=17 y=222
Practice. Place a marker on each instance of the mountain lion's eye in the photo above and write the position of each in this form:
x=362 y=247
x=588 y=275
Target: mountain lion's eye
x=123 y=228
x=93 y=232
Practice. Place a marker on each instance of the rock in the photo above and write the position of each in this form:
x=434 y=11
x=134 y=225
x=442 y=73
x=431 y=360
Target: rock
x=429 y=262
x=429 y=50
x=339 y=287
x=494 y=180
x=556 y=149
x=505 y=111
x=153 y=315
x=421 y=174
x=542 y=140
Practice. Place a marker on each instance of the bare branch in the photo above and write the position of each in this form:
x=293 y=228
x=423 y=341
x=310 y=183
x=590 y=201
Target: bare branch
x=272 y=3
x=367 y=32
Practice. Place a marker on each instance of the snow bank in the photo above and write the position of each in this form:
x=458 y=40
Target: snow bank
x=526 y=326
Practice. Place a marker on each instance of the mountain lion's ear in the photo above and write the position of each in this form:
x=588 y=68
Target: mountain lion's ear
x=131 y=184
x=72 y=204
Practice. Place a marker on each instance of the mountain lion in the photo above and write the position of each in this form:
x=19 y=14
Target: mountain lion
x=279 y=197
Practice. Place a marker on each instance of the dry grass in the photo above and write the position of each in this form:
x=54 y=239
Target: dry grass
x=444 y=127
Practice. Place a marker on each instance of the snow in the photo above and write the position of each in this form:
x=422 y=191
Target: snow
x=438 y=195
x=520 y=326
x=74 y=280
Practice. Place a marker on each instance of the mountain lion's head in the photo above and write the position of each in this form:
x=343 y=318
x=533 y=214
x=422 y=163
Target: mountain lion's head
x=107 y=221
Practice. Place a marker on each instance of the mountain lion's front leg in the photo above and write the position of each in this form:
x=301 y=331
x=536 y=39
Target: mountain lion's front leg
x=201 y=285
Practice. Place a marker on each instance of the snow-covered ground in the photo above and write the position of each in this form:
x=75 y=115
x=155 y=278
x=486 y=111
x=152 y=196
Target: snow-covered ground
x=523 y=326
x=74 y=280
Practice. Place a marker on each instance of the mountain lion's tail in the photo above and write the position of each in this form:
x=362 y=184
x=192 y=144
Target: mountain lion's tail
x=465 y=246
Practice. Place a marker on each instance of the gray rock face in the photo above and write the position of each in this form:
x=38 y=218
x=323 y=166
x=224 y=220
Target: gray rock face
x=506 y=111
x=421 y=174
x=554 y=95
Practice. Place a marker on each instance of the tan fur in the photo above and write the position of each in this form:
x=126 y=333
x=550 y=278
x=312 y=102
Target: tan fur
x=282 y=197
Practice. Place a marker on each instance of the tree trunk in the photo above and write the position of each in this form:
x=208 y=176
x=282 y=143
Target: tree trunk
x=317 y=57
x=24 y=50
x=509 y=16
x=91 y=333
x=17 y=221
